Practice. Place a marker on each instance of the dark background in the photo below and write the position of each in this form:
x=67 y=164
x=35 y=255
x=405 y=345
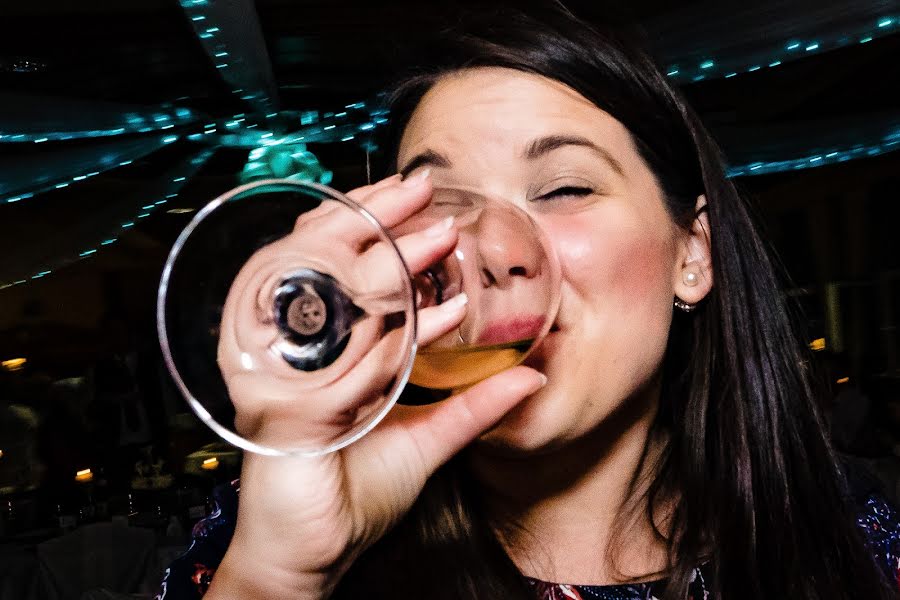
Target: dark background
x=93 y=392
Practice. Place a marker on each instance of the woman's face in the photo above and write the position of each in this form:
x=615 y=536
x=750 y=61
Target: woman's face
x=539 y=144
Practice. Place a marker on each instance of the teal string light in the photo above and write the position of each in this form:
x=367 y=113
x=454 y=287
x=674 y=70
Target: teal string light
x=727 y=67
x=107 y=161
x=888 y=143
x=357 y=122
x=153 y=119
x=231 y=35
x=174 y=183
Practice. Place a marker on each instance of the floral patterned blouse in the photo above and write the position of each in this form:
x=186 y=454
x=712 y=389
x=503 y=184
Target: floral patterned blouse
x=188 y=577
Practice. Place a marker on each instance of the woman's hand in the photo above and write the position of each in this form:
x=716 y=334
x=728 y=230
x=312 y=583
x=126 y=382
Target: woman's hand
x=302 y=521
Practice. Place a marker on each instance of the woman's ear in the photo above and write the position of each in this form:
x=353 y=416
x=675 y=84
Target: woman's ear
x=693 y=277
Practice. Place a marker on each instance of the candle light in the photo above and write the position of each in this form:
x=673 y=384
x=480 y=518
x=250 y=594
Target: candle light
x=210 y=463
x=14 y=364
x=84 y=476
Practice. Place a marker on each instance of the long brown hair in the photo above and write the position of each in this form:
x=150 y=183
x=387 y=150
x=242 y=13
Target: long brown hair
x=757 y=481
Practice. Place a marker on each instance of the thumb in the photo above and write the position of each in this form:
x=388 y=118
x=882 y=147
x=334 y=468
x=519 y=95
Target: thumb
x=442 y=429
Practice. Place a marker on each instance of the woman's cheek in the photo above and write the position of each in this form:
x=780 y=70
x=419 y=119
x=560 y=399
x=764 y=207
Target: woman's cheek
x=614 y=261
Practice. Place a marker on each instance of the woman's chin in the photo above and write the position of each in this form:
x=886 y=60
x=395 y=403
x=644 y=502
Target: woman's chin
x=526 y=429
x=540 y=422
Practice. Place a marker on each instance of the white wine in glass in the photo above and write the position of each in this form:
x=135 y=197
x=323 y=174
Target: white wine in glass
x=459 y=367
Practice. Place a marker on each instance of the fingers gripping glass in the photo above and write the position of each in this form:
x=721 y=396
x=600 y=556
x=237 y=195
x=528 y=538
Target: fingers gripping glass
x=288 y=315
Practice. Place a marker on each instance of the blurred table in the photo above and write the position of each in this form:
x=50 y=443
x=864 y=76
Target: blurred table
x=18 y=573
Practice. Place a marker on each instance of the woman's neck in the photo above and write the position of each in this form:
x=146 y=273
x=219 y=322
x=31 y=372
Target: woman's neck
x=557 y=513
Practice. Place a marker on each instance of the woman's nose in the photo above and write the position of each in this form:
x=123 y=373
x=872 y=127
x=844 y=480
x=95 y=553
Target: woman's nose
x=506 y=246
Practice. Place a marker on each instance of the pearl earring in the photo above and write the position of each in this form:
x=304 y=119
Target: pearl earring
x=690 y=278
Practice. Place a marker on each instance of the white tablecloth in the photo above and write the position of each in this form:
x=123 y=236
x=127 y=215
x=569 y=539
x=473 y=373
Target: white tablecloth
x=18 y=574
x=99 y=556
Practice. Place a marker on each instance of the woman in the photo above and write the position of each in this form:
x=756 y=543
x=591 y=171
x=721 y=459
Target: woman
x=664 y=440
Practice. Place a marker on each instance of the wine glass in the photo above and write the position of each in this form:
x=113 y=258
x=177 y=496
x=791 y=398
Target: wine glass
x=287 y=314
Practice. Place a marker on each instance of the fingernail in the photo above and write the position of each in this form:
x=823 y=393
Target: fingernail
x=543 y=379
x=440 y=228
x=417 y=179
x=455 y=302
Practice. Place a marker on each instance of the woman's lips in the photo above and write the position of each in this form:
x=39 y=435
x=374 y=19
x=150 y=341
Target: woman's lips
x=512 y=329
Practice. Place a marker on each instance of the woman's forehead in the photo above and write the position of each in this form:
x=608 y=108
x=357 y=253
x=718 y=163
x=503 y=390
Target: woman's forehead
x=501 y=107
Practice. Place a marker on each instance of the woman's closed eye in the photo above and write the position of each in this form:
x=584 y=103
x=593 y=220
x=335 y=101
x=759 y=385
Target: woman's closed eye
x=566 y=191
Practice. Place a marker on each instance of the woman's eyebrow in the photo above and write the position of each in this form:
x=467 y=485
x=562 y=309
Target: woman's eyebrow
x=545 y=145
x=536 y=149
x=430 y=158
